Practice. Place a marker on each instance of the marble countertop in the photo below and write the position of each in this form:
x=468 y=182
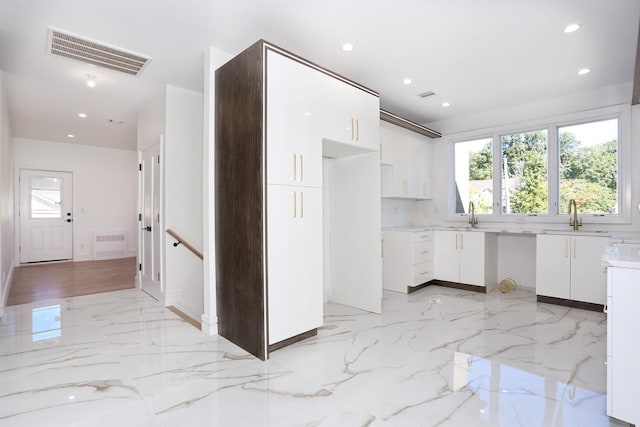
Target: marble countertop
x=622 y=255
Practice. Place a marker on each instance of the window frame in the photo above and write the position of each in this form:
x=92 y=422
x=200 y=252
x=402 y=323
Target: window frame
x=551 y=124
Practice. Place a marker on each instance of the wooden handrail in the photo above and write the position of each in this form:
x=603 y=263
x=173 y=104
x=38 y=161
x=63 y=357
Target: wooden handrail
x=186 y=244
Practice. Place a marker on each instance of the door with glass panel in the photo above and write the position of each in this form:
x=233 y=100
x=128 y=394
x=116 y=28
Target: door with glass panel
x=46 y=215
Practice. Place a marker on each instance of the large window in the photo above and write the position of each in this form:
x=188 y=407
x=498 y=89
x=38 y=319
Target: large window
x=589 y=167
x=524 y=172
x=537 y=172
x=474 y=175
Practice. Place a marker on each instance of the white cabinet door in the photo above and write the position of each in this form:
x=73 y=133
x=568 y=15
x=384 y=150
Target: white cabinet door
x=294 y=147
x=553 y=266
x=472 y=258
x=282 y=283
x=447 y=255
x=366 y=113
x=423 y=175
x=588 y=276
x=308 y=259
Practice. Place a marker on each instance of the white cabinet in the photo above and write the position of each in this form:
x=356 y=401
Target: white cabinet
x=467 y=257
x=294 y=216
x=405 y=163
x=407 y=259
x=623 y=346
x=352 y=116
x=294 y=110
x=568 y=267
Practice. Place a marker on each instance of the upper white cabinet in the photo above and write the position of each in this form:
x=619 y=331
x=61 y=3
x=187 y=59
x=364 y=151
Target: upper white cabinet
x=568 y=267
x=467 y=257
x=352 y=115
x=294 y=145
x=405 y=160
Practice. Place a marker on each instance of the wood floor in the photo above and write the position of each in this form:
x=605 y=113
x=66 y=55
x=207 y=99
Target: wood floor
x=33 y=283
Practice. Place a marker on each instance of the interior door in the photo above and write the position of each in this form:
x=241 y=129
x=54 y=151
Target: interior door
x=150 y=230
x=46 y=215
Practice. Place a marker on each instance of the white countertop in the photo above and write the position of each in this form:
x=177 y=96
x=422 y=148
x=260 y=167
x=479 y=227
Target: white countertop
x=622 y=255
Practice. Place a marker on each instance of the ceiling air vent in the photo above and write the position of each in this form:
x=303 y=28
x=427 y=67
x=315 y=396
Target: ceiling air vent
x=96 y=53
x=426 y=94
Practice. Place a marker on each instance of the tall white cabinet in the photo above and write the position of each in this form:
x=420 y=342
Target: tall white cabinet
x=277 y=116
x=568 y=267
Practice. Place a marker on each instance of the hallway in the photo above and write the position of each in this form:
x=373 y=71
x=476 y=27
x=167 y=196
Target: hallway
x=38 y=282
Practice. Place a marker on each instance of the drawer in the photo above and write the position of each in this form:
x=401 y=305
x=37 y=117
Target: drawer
x=422 y=272
x=422 y=236
x=422 y=252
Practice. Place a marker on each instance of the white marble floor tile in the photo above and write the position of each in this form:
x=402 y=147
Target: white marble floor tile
x=438 y=357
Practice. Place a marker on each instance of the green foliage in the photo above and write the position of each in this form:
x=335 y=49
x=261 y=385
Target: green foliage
x=590 y=196
x=481 y=164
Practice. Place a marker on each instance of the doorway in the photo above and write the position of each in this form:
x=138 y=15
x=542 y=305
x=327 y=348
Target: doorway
x=45 y=215
x=150 y=228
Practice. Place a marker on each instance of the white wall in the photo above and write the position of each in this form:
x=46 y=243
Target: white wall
x=183 y=198
x=104 y=188
x=214 y=58
x=6 y=199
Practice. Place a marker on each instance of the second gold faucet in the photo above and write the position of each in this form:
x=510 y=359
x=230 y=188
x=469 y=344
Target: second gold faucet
x=472 y=212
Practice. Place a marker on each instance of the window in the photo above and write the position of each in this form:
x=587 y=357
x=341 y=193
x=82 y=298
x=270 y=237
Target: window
x=474 y=175
x=524 y=173
x=589 y=167
x=45 y=197
x=536 y=172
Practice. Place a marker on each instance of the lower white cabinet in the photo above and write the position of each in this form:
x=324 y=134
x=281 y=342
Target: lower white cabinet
x=623 y=346
x=568 y=267
x=294 y=260
x=468 y=257
x=407 y=259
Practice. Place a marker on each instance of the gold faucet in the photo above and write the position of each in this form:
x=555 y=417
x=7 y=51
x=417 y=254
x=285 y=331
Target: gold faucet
x=574 y=221
x=472 y=220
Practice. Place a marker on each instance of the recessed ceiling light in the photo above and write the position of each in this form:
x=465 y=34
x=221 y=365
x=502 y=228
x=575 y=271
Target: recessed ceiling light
x=571 y=28
x=82 y=115
x=446 y=104
x=70 y=135
x=91 y=80
x=584 y=71
x=407 y=81
x=347 y=47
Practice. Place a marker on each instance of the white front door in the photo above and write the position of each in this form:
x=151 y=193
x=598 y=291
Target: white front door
x=46 y=215
x=150 y=231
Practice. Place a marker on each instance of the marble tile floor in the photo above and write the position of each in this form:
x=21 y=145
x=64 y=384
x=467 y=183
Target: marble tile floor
x=438 y=357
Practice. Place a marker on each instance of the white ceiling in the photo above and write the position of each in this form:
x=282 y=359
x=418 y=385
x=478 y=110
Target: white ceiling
x=478 y=55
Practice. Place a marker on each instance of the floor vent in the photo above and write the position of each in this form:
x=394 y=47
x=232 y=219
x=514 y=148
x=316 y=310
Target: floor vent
x=93 y=52
x=108 y=245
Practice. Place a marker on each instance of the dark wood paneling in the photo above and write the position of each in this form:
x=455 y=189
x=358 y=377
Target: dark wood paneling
x=239 y=194
x=463 y=286
x=292 y=340
x=408 y=124
x=571 y=303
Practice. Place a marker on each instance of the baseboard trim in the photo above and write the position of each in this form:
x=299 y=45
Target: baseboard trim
x=412 y=289
x=571 y=303
x=184 y=316
x=171 y=298
x=463 y=286
x=292 y=340
x=209 y=324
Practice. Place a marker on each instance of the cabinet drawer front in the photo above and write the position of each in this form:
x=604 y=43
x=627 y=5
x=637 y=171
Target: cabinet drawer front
x=422 y=236
x=422 y=252
x=422 y=272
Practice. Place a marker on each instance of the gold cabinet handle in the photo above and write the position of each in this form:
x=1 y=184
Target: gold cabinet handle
x=566 y=248
x=574 y=248
x=301 y=204
x=424 y=273
x=357 y=130
x=424 y=252
x=293 y=162
x=462 y=242
x=457 y=240
x=301 y=167
x=293 y=196
x=352 y=129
